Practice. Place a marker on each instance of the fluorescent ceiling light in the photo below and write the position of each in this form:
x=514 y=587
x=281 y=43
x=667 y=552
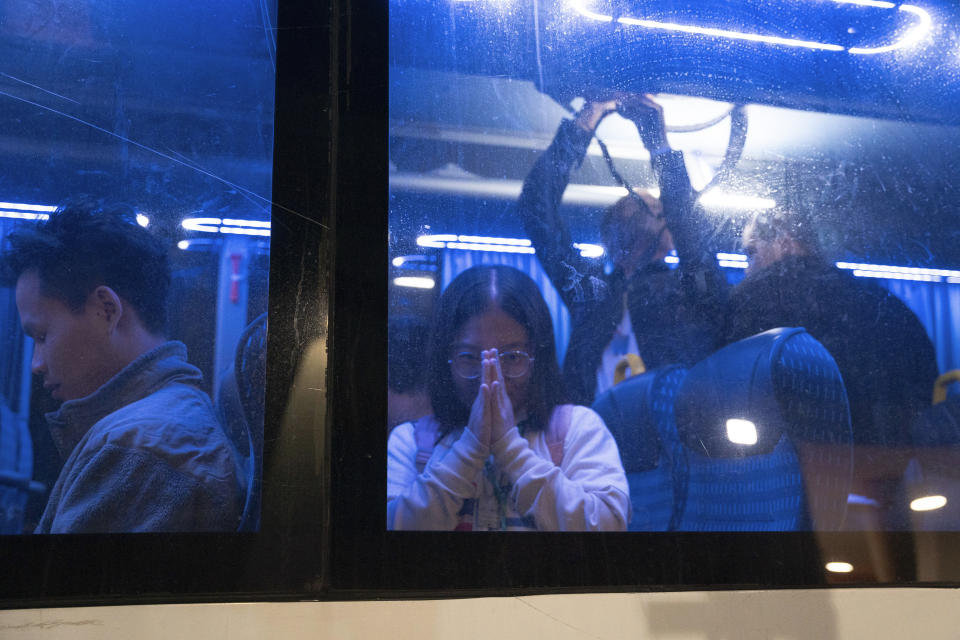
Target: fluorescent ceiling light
x=227 y=226
x=839 y=567
x=28 y=207
x=414 y=282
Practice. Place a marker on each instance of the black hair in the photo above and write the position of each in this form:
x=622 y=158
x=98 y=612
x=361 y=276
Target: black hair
x=474 y=291
x=407 y=354
x=84 y=245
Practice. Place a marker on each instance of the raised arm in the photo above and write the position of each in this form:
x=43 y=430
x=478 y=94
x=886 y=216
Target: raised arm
x=575 y=278
x=676 y=193
x=703 y=283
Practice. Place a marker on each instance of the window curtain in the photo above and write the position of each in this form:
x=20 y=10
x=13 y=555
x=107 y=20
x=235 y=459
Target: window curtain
x=936 y=304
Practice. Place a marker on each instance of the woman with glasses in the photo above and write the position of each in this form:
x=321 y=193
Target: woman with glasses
x=501 y=450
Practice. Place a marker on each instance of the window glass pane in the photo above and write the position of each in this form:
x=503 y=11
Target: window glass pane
x=143 y=297
x=792 y=169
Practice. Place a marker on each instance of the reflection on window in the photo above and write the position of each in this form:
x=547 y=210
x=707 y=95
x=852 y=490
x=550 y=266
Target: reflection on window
x=135 y=240
x=750 y=273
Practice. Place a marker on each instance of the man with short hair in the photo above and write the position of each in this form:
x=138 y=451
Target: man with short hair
x=142 y=447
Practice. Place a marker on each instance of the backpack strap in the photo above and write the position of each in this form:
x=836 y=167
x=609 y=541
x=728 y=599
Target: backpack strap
x=557 y=431
x=425 y=434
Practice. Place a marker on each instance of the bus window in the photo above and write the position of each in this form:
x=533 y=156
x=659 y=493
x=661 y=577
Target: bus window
x=135 y=242
x=716 y=245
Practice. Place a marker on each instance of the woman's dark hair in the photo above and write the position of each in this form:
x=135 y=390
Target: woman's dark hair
x=84 y=245
x=473 y=292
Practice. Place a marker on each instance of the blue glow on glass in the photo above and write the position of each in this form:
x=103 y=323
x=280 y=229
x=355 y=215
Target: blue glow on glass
x=910 y=37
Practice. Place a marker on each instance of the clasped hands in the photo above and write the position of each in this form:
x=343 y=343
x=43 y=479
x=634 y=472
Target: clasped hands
x=491 y=415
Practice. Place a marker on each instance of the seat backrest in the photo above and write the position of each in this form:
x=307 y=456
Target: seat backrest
x=639 y=414
x=793 y=467
x=684 y=471
x=240 y=407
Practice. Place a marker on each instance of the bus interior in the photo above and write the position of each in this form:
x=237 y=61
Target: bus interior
x=836 y=113
x=167 y=109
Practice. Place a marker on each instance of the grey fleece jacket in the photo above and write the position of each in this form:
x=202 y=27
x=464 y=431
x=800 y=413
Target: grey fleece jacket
x=144 y=453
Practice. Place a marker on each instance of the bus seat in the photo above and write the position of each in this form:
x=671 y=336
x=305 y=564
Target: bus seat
x=240 y=407
x=637 y=412
x=765 y=428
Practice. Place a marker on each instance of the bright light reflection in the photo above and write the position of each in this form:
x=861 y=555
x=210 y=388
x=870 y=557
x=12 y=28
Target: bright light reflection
x=737 y=257
x=228 y=226
x=733 y=264
x=416 y=283
x=741 y=431
x=398 y=261
x=589 y=250
x=20 y=215
x=911 y=37
x=27 y=207
x=143 y=220
x=715 y=199
x=928 y=503
x=183 y=244
x=839 y=567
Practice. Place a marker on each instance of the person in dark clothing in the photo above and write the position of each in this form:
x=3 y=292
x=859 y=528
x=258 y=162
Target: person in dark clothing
x=885 y=357
x=666 y=316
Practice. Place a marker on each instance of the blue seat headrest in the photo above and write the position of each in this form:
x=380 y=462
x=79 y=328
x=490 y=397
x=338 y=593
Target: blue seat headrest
x=778 y=382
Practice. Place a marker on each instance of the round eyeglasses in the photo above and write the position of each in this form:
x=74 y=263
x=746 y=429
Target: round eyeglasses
x=469 y=364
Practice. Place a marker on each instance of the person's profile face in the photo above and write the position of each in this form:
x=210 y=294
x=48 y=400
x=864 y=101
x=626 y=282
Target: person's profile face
x=493 y=329
x=69 y=348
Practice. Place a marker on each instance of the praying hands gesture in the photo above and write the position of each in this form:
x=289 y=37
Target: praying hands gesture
x=491 y=415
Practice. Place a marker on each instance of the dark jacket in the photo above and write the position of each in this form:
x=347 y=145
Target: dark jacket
x=676 y=314
x=144 y=452
x=885 y=357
